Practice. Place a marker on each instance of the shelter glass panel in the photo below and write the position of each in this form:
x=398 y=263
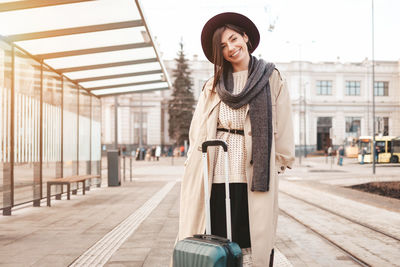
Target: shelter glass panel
x=136 y=88
x=133 y=79
x=140 y=128
x=52 y=109
x=70 y=129
x=84 y=41
x=5 y=125
x=96 y=135
x=114 y=70
x=27 y=90
x=101 y=58
x=84 y=132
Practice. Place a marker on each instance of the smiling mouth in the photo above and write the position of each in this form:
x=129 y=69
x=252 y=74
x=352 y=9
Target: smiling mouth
x=236 y=53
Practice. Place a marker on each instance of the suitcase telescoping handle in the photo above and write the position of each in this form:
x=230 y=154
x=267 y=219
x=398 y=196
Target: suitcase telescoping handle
x=204 y=147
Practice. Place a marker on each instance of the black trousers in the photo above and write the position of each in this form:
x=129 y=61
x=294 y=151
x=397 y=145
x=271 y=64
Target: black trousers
x=239 y=213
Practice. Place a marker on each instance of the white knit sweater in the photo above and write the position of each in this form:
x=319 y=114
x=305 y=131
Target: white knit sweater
x=232 y=119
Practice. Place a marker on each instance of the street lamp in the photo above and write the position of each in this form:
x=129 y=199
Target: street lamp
x=373 y=92
x=302 y=105
x=300 y=100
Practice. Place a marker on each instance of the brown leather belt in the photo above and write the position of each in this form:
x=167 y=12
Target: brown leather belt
x=233 y=131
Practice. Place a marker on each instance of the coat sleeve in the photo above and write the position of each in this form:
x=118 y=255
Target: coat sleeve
x=284 y=137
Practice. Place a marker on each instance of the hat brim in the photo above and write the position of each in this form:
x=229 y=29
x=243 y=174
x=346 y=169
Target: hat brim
x=228 y=18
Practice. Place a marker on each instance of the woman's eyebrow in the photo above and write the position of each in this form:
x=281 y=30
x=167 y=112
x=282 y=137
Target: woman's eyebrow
x=230 y=37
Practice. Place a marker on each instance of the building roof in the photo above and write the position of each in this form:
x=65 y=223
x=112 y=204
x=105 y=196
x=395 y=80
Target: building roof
x=105 y=47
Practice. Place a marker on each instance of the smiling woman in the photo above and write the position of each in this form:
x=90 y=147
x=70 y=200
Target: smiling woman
x=247 y=105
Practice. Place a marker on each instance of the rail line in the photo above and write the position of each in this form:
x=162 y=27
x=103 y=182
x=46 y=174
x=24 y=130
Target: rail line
x=347 y=252
x=344 y=217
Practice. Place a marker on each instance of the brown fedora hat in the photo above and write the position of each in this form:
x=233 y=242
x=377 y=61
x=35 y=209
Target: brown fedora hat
x=228 y=18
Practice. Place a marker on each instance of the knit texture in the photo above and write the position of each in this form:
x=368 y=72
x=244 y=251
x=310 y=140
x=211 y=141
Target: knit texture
x=230 y=118
x=257 y=95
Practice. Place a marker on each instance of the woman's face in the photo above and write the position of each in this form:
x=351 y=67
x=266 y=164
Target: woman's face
x=234 y=47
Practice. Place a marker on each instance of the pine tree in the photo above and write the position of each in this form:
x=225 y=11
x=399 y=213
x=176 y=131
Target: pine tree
x=181 y=105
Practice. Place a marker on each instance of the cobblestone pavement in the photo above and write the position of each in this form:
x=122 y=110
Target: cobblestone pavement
x=136 y=224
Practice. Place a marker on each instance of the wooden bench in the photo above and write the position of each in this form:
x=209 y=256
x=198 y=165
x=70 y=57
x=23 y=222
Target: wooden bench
x=68 y=181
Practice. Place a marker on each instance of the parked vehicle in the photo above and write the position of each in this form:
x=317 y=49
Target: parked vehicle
x=385 y=145
x=395 y=150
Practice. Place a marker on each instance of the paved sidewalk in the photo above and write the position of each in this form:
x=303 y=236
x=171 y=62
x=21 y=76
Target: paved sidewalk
x=58 y=235
x=325 y=170
x=135 y=224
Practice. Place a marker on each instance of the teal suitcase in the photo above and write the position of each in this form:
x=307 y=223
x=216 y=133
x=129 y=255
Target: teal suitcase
x=206 y=250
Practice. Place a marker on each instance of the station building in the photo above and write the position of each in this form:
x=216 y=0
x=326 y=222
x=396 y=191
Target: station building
x=331 y=103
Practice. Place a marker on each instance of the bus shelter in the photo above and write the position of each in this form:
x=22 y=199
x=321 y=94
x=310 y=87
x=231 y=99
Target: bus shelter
x=57 y=59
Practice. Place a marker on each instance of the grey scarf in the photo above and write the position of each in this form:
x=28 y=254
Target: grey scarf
x=257 y=94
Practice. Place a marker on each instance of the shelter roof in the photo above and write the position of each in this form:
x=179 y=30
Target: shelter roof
x=105 y=46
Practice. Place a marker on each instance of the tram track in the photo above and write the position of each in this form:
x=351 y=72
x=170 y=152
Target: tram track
x=343 y=250
x=343 y=216
x=352 y=250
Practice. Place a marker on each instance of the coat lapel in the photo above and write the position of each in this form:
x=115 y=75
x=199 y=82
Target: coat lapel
x=214 y=101
x=212 y=121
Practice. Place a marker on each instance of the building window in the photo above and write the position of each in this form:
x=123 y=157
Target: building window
x=353 y=126
x=324 y=87
x=352 y=88
x=382 y=125
x=381 y=88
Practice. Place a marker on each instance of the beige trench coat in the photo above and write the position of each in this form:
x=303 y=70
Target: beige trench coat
x=263 y=206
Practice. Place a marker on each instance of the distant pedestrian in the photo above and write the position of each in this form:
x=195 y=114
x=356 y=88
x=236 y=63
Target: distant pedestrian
x=329 y=151
x=340 y=155
x=377 y=151
x=148 y=154
x=138 y=153
x=158 y=153
x=153 y=153
x=363 y=152
x=182 y=149
x=326 y=154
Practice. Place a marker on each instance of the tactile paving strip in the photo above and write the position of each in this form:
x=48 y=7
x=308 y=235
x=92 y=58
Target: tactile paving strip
x=101 y=252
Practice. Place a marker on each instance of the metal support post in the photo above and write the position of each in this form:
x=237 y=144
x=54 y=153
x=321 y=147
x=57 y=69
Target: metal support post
x=373 y=94
x=123 y=160
x=130 y=168
x=116 y=122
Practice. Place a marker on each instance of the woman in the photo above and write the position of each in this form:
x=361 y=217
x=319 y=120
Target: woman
x=246 y=104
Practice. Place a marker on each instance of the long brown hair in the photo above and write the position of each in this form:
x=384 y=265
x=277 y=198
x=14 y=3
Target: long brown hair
x=220 y=64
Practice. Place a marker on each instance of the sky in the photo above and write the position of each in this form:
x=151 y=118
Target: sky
x=313 y=30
